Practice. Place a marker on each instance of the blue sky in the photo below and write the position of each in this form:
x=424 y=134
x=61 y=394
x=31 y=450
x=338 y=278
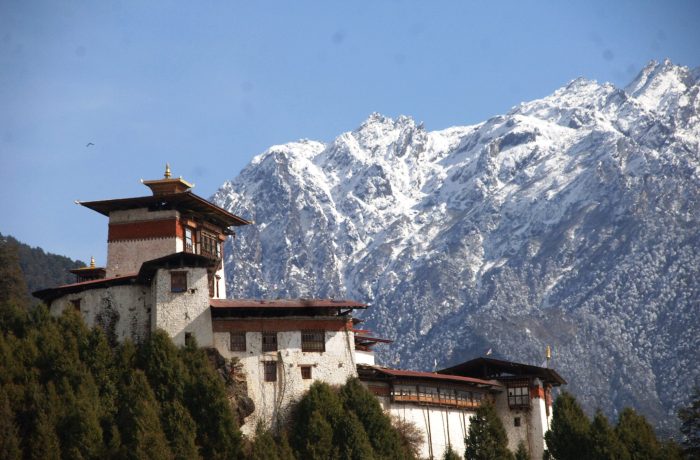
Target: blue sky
x=208 y=85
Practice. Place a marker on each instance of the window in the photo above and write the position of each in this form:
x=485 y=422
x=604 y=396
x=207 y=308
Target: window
x=189 y=240
x=270 y=371
x=178 y=281
x=269 y=341
x=313 y=340
x=210 y=245
x=238 y=341
x=210 y=281
x=305 y=372
x=516 y=421
x=76 y=304
x=188 y=338
x=519 y=396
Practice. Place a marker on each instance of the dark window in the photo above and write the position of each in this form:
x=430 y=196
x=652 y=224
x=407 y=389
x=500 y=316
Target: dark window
x=313 y=341
x=269 y=341
x=178 y=281
x=519 y=396
x=188 y=338
x=270 y=371
x=189 y=240
x=76 y=304
x=210 y=245
x=305 y=372
x=237 y=341
x=210 y=280
x=516 y=421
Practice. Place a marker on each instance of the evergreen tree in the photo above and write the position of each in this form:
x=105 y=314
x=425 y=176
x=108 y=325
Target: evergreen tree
x=385 y=440
x=264 y=446
x=637 y=436
x=13 y=288
x=180 y=430
x=605 y=443
x=317 y=441
x=521 y=453
x=487 y=439
x=138 y=420
x=569 y=436
x=450 y=454
x=690 y=425
x=312 y=427
x=9 y=435
x=205 y=399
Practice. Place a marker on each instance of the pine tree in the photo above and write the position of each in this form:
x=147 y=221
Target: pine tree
x=385 y=440
x=522 y=453
x=9 y=435
x=605 y=444
x=690 y=425
x=205 y=399
x=13 y=288
x=138 y=420
x=637 y=435
x=569 y=436
x=180 y=430
x=487 y=439
x=450 y=454
x=264 y=446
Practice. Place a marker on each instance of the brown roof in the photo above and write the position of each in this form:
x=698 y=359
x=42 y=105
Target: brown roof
x=418 y=375
x=285 y=303
x=184 y=201
x=50 y=294
x=503 y=370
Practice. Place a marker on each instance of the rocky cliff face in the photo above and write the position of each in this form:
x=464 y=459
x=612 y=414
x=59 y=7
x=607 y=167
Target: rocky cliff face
x=573 y=221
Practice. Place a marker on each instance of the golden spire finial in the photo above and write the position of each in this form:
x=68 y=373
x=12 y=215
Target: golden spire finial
x=167 y=170
x=92 y=262
x=549 y=353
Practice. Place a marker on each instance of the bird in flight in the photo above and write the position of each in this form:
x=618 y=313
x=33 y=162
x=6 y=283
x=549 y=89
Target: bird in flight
x=89 y=144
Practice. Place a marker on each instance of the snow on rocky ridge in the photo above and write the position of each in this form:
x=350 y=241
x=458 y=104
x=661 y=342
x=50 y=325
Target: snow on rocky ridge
x=572 y=221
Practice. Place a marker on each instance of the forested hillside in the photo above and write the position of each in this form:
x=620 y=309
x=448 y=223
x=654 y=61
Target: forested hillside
x=42 y=269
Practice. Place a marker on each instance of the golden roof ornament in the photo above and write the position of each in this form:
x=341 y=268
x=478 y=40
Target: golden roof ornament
x=167 y=171
x=92 y=262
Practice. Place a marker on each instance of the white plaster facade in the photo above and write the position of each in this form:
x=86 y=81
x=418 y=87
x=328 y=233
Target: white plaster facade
x=273 y=399
x=181 y=313
x=122 y=310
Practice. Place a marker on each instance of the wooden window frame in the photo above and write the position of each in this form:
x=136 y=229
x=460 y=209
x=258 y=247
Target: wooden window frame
x=176 y=281
x=239 y=343
x=313 y=340
x=306 y=373
x=268 y=341
x=519 y=395
x=270 y=371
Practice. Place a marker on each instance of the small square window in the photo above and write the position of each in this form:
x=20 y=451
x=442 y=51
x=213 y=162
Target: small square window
x=188 y=338
x=269 y=341
x=76 y=304
x=238 y=341
x=270 y=371
x=305 y=372
x=178 y=281
x=516 y=421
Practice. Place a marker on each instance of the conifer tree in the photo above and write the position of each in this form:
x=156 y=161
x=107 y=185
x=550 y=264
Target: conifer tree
x=205 y=399
x=315 y=442
x=180 y=430
x=9 y=435
x=569 y=436
x=605 y=444
x=690 y=425
x=138 y=420
x=521 y=453
x=450 y=454
x=487 y=439
x=637 y=435
x=385 y=440
x=13 y=288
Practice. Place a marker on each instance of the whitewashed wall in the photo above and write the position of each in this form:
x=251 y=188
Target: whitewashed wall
x=121 y=310
x=273 y=399
x=178 y=313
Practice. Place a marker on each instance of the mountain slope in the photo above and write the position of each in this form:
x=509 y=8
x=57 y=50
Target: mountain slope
x=571 y=221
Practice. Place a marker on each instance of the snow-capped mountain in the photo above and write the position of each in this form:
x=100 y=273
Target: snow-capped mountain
x=572 y=221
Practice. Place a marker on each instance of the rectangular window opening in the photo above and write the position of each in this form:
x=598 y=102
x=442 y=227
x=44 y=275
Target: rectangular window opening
x=76 y=304
x=516 y=421
x=178 y=281
x=305 y=372
x=269 y=341
x=270 y=371
x=238 y=341
x=313 y=340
